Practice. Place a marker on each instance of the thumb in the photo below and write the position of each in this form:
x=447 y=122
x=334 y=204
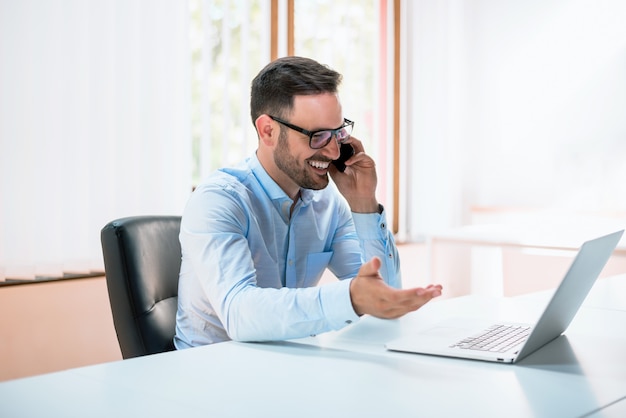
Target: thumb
x=371 y=267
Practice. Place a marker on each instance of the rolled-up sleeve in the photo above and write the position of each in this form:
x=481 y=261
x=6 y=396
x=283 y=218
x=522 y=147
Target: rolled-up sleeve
x=377 y=240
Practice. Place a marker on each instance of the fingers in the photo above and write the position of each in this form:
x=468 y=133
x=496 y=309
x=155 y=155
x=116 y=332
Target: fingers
x=404 y=301
x=356 y=144
x=364 y=287
x=371 y=295
x=371 y=267
x=434 y=290
x=360 y=158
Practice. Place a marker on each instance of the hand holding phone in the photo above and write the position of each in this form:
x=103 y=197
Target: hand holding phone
x=359 y=185
x=345 y=152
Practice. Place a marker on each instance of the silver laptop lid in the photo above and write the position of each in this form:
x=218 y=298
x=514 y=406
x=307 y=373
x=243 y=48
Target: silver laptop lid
x=572 y=291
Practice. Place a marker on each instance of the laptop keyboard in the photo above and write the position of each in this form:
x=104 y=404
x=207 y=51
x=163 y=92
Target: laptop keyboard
x=497 y=338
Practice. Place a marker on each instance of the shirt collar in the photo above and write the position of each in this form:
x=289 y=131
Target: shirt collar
x=272 y=189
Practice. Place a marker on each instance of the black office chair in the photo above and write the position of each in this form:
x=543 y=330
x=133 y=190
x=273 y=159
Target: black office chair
x=141 y=262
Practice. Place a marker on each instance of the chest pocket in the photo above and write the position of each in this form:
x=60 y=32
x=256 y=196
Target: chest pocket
x=316 y=263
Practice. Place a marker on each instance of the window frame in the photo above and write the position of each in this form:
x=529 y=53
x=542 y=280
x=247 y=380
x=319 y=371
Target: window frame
x=395 y=120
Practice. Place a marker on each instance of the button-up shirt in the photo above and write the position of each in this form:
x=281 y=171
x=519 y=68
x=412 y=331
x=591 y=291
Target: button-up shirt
x=250 y=264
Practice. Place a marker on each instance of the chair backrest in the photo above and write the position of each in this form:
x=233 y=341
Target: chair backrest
x=142 y=258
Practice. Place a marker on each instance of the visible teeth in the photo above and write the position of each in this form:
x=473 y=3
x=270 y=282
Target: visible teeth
x=322 y=165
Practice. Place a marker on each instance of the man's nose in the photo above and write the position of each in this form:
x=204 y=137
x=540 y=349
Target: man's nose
x=332 y=148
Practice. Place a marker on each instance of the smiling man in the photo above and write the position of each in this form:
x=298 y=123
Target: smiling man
x=257 y=238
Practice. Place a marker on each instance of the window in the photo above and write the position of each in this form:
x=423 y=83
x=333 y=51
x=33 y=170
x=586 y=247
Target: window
x=96 y=119
x=351 y=37
x=229 y=44
x=231 y=41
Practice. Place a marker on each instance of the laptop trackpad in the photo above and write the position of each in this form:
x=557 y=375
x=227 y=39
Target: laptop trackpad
x=449 y=334
x=455 y=328
x=440 y=335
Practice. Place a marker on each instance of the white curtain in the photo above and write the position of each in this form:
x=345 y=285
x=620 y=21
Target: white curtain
x=94 y=124
x=513 y=104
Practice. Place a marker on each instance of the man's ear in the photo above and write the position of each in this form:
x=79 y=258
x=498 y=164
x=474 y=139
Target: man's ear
x=267 y=130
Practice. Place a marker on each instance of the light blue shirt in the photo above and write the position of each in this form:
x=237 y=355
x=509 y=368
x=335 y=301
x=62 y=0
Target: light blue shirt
x=249 y=271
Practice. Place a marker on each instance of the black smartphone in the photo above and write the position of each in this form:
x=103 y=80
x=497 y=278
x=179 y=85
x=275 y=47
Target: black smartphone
x=345 y=151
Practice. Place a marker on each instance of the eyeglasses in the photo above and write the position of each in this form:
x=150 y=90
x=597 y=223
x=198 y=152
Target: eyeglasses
x=319 y=139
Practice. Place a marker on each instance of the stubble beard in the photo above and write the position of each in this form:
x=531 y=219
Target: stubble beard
x=298 y=173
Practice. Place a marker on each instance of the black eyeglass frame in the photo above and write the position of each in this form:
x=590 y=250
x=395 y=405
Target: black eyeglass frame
x=333 y=132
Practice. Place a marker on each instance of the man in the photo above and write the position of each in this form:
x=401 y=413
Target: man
x=256 y=238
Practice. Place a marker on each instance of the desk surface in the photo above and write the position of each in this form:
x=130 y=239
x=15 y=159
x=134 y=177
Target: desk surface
x=349 y=373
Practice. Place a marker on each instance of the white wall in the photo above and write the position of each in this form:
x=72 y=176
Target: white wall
x=94 y=125
x=514 y=104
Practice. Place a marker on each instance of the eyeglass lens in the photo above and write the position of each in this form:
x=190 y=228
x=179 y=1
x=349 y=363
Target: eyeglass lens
x=322 y=138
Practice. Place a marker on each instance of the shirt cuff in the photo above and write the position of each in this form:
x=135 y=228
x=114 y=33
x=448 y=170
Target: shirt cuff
x=370 y=225
x=337 y=304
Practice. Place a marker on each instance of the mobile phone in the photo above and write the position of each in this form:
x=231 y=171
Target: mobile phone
x=345 y=151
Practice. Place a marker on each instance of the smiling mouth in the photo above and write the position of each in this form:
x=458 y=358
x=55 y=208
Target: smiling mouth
x=320 y=165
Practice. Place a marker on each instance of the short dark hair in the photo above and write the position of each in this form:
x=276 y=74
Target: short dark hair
x=275 y=86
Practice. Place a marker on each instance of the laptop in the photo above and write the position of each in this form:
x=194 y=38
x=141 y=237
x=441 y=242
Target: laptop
x=510 y=342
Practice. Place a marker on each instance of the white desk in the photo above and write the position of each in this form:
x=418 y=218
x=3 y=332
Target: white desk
x=350 y=374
